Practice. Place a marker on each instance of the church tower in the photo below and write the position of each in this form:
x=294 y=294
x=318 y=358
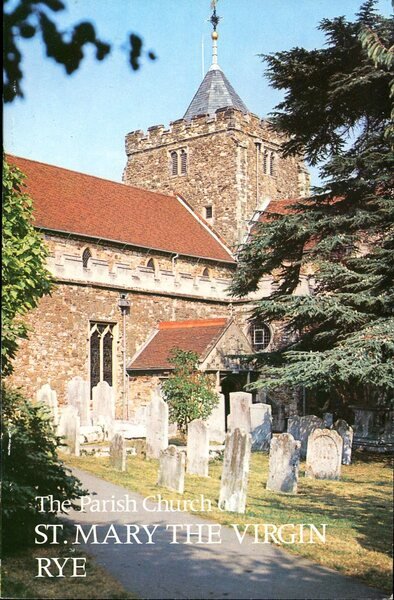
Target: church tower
x=222 y=159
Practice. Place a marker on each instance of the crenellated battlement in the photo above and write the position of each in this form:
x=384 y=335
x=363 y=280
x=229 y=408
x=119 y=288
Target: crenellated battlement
x=224 y=120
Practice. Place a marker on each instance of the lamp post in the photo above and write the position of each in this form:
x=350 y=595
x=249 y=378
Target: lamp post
x=124 y=306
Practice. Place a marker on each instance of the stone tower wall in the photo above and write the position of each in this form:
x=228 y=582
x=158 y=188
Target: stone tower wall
x=225 y=167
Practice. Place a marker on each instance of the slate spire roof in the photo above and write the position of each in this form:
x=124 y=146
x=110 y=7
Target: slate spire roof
x=214 y=92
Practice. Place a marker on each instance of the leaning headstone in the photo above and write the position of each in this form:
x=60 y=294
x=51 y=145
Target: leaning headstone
x=117 y=453
x=156 y=426
x=324 y=456
x=284 y=462
x=216 y=422
x=69 y=428
x=48 y=396
x=103 y=403
x=261 y=426
x=308 y=424
x=363 y=422
x=172 y=469
x=328 y=419
x=234 y=480
x=240 y=403
x=197 y=448
x=346 y=433
x=78 y=395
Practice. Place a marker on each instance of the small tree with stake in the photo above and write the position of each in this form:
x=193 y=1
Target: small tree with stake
x=188 y=391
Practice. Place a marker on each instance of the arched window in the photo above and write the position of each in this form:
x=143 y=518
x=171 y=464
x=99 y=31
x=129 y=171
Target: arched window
x=86 y=255
x=260 y=335
x=206 y=273
x=174 y=163
x=151 y=264
x=183 y=162
x=265 y=162
x=272 y=164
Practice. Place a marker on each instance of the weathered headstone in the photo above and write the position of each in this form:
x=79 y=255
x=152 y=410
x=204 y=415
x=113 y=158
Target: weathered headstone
x=324 y=456
x=363 y=422
x=261 y=425
x=216 y=422
x=240 y=403
x=172 y=469
x=284 y=462
x=69 y=428
x=117 y=453
x=346 y=433
x=308 y=424
x=156 y=426
x=103 y=403
x=197 y=448
x=78 y=395
x=48 y=396
x=328 y=420
x=293 y=426
x=234 y=480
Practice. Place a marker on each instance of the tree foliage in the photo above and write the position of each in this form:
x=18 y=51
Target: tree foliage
x=25 y=277
x=336 y=108
x=188 y=391
x=30 y=468
x=26 y=19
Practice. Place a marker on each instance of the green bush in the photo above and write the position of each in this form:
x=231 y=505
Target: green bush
x=188 y=392
x=31 y=468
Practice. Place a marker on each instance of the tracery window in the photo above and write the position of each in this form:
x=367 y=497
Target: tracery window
x=260 y=335
x=102 y=348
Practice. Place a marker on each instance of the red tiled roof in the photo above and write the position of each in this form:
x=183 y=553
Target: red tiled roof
x=77 y=203
x=195 y=336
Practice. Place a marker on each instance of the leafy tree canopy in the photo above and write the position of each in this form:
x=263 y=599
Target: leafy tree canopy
x=188 y=391
x=336 y=108
x=25 y=277
x=26 y=19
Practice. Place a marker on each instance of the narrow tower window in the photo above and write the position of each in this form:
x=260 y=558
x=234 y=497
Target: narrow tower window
x=86 y=255
x=208 y=212
x=183 y=162
x=272 y=164
x=265 y=162
x=174 y=163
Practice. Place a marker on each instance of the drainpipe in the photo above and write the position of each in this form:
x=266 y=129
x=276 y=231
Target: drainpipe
x=124 y=306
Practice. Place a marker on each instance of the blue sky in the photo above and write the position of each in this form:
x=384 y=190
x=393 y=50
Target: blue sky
x=80 y=121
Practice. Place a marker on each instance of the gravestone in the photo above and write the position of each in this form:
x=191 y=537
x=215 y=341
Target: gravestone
x=328 y=420
x=261 y=426
x=324 y=456
x=172 y=469
x=363 y=422
x=293 y=426
x=78 y=395
x=156 y=426
x=197 y=448
x=117 y=453
x=234 y=480
x=69 y=428
x=216 y=422
x=308 y=424
x=239 y=417
x=48 y=396
x=346 y=433
x=104 y=407
x=284 y=462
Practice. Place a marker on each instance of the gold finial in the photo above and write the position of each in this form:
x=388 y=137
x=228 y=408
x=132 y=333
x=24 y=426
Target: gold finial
x=215 y=35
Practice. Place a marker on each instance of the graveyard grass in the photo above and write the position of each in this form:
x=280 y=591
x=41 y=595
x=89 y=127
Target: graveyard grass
x=356 y=509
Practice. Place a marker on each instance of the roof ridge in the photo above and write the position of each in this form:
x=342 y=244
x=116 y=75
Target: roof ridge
x=192 y=323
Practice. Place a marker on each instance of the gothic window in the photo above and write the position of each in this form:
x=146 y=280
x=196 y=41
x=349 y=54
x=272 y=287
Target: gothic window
x=208 y=212
x=86 y=254
x=102 y=347
x=206 y=273
x=174 y=163
x=183 y=162
x=260 y=335
x=265 y=162
x=151 y=264
x=178 y=162
x=272 y=164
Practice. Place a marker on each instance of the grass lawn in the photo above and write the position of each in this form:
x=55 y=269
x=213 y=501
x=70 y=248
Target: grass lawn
x=19 y=581
x=357 y=509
